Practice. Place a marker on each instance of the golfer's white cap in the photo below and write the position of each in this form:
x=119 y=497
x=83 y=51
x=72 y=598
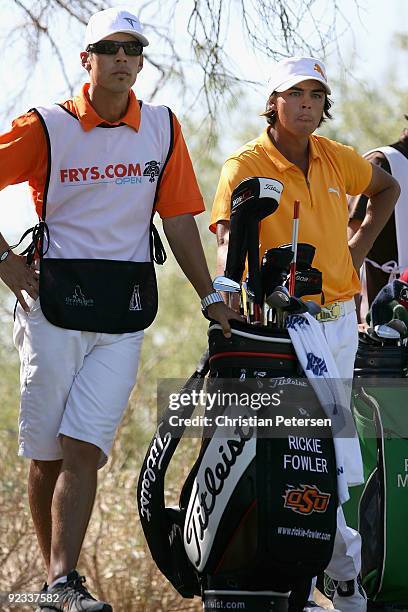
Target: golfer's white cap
x=113 y=21
x=289 y=72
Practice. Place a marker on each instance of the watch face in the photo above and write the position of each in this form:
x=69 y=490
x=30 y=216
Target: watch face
x=4 y=255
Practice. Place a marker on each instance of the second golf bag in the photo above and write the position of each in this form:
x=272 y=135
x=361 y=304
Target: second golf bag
x=379 y=508
x=257 y=514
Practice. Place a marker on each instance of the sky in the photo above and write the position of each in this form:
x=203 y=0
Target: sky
x=365 y=47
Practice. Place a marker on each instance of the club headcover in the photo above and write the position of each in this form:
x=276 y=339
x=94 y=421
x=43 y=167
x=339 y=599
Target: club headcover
x=308 y=282
x=251 y=201
x=256 y=196
x=380 y=311
x=404 y=277
x=304 y=255
x=275 y=268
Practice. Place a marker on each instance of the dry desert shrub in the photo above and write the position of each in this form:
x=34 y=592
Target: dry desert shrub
x=115 y=559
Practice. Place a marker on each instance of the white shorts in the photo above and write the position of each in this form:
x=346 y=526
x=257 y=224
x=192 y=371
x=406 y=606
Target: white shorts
x=73 y=383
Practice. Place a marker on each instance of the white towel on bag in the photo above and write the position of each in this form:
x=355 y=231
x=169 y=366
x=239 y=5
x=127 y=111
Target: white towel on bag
x=320 y=368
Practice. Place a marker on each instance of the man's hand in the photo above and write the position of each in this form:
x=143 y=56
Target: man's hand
x=19 y=277
x=221 y=313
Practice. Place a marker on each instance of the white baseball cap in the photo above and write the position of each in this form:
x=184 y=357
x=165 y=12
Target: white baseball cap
x=113 y=21
x=293 y=70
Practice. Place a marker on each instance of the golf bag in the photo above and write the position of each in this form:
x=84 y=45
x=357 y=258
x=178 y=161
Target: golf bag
x=379 y=508
x=257 y=514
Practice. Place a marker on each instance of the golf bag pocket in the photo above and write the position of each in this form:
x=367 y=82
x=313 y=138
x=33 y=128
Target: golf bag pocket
x=378 y=509
x=377 y=361
x=382 y=514
x=98 y=295
x=251 y=352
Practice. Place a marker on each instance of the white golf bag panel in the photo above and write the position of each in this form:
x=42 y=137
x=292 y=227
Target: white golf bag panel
x=222 y=466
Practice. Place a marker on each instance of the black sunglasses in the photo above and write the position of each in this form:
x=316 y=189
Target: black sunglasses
x=111 y=47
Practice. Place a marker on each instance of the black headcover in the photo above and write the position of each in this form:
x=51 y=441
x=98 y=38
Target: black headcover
x=396 y=290
x=304 y=254
x=308 y=282
x=251 y=201
x=275 y=268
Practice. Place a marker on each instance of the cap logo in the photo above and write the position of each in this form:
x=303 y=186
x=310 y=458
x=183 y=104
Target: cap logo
x=318 y=68
x=131 y=21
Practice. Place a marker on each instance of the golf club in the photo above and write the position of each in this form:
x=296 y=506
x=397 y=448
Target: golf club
x=312 y=307
x=229 y=286
x=276 y=301
x=386 y=332
x=223 y=283
x=295 y=233
x=398 y=325
x=279 y=298
x=304 y=256
x=252 y=200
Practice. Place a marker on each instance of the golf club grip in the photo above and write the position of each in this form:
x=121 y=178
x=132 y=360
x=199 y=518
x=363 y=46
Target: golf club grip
x=295 y=234
x=254 y=273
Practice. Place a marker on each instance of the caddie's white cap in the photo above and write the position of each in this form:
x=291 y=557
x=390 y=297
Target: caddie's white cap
x=113 y=21
x=294 y=70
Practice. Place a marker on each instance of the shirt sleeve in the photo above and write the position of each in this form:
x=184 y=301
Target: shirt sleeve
x=357 y=170
x=358 y=204
x=233 y=172
x=179 y=193
x=23 y=152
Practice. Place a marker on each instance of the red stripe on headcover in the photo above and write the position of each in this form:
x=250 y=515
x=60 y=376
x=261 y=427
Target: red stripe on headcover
x=404 y=277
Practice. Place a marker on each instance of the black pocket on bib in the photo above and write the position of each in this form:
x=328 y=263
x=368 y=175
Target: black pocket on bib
x=98 y=295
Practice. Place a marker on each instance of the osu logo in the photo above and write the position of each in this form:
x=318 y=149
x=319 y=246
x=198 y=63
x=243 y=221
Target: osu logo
x=306 y=499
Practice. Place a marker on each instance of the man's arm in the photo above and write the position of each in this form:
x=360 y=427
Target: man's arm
x=23 y=156
x=383 y=192
x=19 y=277
x=182 y=233
x=358 y=204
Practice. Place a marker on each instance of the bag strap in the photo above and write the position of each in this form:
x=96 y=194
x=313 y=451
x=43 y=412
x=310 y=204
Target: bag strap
x=150 y=489
x=157 y=251
x=36 y=246
x=37 y=241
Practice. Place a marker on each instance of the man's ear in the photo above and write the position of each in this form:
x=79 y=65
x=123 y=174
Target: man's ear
x=271 y=103
x=84 y=55
x=140 y=64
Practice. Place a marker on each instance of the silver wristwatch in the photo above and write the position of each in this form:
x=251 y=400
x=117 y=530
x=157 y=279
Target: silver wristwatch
x=211 y=298
x=4 y=255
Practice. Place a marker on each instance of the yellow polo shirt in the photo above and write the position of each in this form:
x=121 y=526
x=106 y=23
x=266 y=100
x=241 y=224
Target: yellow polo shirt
x=334 y=171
